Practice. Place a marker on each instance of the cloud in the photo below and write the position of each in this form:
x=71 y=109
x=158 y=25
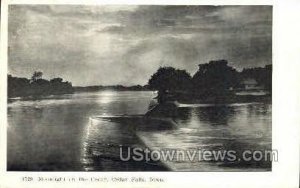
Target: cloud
x=92 y=45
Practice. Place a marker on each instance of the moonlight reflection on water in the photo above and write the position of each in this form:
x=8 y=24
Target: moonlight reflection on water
x=59 y=133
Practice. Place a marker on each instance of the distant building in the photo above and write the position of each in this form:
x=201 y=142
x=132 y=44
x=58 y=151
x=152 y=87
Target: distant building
x=250 y=84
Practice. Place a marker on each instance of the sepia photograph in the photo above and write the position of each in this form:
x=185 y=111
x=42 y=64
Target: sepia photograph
x=183 y=88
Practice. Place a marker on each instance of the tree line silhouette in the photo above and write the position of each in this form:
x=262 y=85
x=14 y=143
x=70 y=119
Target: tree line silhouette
x=215 y=79
x=37 y=86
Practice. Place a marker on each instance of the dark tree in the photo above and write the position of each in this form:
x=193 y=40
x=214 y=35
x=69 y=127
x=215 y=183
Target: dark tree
x=36 y=86
x=57 y=86
x=36 y=75
x=170 y=79
x=40 y=87
x=56 y=80
x=17 y=86
x=267 y=80
x=215 y=76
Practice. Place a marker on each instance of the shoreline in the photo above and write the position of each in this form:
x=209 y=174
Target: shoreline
x=180 y=98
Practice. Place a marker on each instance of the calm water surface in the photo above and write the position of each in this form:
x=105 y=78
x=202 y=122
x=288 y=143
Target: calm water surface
x=60 y=133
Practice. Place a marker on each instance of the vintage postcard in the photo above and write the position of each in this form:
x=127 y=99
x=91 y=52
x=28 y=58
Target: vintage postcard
x=133 y=94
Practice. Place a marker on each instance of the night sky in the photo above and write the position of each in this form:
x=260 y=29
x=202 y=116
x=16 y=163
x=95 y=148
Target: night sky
x=108 y=45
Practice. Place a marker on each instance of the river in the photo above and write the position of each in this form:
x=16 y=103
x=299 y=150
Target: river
x=59 y=133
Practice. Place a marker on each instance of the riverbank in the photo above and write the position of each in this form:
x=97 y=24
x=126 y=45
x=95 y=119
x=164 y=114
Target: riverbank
x=218 y=98
x=226 y=100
